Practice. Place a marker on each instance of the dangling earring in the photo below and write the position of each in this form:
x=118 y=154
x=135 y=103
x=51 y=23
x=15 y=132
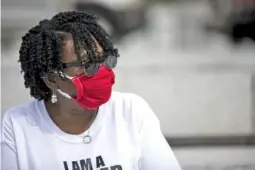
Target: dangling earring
x=54 y=98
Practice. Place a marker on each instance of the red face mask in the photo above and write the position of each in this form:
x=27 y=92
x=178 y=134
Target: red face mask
x=93 y=91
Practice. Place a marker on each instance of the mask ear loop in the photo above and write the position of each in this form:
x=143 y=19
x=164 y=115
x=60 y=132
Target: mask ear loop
x=64 y=94
x=63 y=75
x=76 y=81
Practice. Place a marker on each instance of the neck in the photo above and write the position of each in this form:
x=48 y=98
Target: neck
x=74 y=120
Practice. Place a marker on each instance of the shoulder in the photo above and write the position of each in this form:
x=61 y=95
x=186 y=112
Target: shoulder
x=133 y=107
x=18 y=115
x=128 y=101
x=126 y=97
x=20 y=110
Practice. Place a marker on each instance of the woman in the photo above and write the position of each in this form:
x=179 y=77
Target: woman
x=75 y=121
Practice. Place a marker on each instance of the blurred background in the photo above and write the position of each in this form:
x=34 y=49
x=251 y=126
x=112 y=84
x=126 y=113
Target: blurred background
x=192 y=60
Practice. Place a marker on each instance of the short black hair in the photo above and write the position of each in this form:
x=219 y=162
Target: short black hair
x=41 y=46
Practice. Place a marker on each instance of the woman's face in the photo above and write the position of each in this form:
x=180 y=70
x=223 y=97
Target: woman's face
x=69 y=56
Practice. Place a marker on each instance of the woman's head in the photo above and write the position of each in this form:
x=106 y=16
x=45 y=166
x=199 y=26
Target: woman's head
x=57 y=50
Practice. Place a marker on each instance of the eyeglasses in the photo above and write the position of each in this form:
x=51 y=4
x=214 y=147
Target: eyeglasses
x=91 y=68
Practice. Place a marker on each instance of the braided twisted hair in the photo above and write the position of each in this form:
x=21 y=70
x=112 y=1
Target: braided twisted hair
x=41 y=47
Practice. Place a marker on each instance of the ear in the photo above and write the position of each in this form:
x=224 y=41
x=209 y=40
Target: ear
x=50 y=81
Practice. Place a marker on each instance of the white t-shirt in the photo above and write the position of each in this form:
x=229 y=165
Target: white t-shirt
x=126 y=135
